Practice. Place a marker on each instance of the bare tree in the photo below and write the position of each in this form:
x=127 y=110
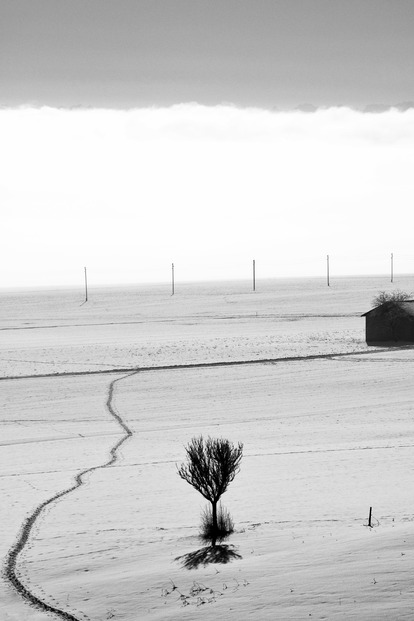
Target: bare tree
x=211 y=466
x=395 y=297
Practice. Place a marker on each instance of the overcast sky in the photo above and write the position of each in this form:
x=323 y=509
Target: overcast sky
x=263 y=53
x=135 y=133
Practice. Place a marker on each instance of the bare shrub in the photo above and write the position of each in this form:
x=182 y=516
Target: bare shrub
x=225 y=524
x=391 y=297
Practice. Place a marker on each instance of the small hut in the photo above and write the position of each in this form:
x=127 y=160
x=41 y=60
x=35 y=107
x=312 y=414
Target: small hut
x=391 y=322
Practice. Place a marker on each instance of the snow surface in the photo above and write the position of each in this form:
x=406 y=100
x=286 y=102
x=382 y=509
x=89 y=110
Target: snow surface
x=324 y=439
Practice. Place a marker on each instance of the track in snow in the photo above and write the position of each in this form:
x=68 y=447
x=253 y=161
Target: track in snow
x=10 y=571
x=206 y=365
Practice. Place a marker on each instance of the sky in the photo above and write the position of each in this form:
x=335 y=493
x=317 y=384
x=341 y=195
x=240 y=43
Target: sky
x=137 y=133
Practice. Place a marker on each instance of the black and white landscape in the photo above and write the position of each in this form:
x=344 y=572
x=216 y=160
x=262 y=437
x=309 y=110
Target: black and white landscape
x=199 y=201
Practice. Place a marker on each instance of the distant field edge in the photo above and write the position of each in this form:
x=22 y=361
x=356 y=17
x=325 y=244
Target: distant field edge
x=205 y=365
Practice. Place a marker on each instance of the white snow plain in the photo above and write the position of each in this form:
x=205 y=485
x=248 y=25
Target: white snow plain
x=324 y=439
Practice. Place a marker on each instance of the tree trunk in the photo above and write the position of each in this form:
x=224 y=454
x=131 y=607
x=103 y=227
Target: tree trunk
x=215 y=526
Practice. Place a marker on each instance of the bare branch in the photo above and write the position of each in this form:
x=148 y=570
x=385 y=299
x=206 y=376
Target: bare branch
x=211 y=465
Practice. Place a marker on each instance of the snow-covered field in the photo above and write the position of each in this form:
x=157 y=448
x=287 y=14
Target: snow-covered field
x=54 y=331
x=324 y=439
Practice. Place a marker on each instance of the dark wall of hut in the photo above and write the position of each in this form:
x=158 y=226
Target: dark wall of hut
x=380 y=328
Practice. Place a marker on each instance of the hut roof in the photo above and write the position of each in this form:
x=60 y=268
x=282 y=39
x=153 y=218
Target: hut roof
x=407 y=306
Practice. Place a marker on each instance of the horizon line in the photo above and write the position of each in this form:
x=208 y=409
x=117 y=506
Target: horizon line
x=167 y=283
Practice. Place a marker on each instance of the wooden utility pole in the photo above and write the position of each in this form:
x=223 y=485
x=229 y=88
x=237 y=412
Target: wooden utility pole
x=86 y=286
x=172 y=278
x=254 y=275
x=327 y=269
x=392 y=267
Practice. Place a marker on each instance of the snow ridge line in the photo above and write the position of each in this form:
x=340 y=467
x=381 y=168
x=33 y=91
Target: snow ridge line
x=10 y=571
x=206 y=365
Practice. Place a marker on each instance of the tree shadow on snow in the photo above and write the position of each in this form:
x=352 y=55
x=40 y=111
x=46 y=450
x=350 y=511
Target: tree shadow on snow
x=204 y=556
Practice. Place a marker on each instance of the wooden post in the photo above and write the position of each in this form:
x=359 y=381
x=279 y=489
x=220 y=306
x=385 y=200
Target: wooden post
x=86 y=286
x=172 y=278
x=254 y=275
x=392 y=267
x=327 y=269
x=369 y=519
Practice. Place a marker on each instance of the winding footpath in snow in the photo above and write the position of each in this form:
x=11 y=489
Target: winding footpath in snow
x=11 y=571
